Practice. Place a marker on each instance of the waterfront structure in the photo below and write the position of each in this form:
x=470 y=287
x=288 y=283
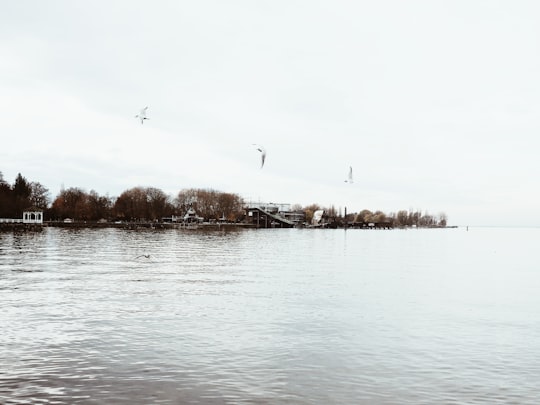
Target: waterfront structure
x=318 y=218
x=32 y=218
x=269 y=215
x=191 y=216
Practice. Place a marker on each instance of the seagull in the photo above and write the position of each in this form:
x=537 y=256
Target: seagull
x=146 y=256
x=142 y=115
x=263 y=153
x=349 y=180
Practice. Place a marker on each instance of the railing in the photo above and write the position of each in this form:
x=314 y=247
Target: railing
x=11 y=221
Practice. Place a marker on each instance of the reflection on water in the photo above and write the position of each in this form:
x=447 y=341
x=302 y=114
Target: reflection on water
x=269 y=316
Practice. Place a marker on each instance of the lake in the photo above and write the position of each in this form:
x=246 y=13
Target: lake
x=270 y=316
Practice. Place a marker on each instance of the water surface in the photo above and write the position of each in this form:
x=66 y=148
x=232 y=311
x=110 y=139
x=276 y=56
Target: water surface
x=270 y=316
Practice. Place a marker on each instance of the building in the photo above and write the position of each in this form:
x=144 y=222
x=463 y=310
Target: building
x=33 y=215
x=32 y=218
x=191 y=216
x=269 y=215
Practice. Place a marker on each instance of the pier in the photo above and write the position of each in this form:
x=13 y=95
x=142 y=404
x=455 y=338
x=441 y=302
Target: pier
x=261 y=218
x=18 y=225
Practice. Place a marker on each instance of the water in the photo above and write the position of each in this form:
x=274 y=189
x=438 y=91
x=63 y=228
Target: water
x=282 y=316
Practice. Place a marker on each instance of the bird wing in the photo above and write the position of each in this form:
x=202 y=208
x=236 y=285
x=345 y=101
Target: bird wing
x=142 y=113
x=263 y=153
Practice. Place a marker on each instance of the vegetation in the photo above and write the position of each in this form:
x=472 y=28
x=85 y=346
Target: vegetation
x=152 y=204
x=141 y=204
x=211 y=204
x=401 y=219
x=22 y=195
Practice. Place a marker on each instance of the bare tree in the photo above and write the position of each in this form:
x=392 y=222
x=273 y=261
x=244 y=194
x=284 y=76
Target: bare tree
x=39 y=195
x=310 y=210
x=71 y=203
x=442 y=219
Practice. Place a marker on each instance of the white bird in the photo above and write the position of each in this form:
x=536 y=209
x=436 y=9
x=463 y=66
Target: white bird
x=349 y=179
x=263 y=153
x=142 y=115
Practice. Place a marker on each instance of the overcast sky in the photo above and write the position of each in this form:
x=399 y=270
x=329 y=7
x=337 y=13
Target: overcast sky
x=435 y=104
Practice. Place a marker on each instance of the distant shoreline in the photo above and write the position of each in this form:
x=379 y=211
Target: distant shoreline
x=186 y=226
x=144 y=225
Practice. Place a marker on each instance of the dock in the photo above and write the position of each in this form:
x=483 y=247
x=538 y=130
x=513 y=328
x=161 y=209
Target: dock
x=18 y=225
x=264 y=219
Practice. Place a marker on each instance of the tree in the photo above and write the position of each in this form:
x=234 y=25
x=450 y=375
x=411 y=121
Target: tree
x=143 y=203
x=131 y=205
x=210 y=204
x=6 y=199
x=158 y=203
x=99 y=207
x=442 y=219
x=364 y=216
x=185 y=199
x=231 y=206
x=309 y=211
x=206 y=204
x=39 y=195
x=331 y=211
x=402 y=218
x=21 y=192
x=378 y=217
x=71 y=203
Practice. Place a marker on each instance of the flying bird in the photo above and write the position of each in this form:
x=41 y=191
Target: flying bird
x=263 y=153
x=146 y=256
x=142 y=115
x=349 y=178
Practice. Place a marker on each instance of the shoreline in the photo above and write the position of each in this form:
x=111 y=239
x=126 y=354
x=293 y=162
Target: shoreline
x=7 y=227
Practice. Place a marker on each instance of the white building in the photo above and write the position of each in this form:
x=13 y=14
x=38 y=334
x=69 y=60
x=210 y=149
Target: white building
x=32 y=216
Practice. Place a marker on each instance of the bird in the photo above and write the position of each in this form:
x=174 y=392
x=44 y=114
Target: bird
x=263 y=153
x=349 y=179
x=146 y=256
x=142 y=115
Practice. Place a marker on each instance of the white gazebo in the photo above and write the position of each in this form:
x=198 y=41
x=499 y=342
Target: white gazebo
x=33 y=216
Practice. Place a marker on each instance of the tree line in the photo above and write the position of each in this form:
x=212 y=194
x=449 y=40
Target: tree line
x=135 y=204
x=140 y=204
x=152 y=204
x=402 y=218
x=20 y=196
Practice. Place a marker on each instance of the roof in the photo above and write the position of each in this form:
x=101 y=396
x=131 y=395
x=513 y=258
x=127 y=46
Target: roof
x=33 y=208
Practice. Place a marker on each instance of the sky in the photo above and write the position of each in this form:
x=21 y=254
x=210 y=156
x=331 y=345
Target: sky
x=434 y=104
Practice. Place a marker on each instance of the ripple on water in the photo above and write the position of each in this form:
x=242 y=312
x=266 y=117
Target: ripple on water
x=267 y=316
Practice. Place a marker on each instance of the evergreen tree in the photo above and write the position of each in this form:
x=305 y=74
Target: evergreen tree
x=21 y=196
x=6 y=200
